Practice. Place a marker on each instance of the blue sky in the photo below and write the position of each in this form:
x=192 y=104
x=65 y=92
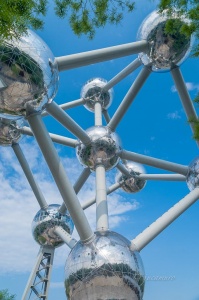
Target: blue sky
x=155 y=125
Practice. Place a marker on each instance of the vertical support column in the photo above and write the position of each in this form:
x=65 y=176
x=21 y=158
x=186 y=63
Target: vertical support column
x=39 y=280
x=98 y=114
x=101 y=198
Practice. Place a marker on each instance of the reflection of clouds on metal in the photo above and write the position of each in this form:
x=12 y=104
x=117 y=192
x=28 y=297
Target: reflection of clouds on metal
x=106 y=267
x=9 y=131
x=104 y=147
x=28 y=75
x=103 y=264
x=166 y=49
x=44 y=223
x=132 y=183
x=93 y=92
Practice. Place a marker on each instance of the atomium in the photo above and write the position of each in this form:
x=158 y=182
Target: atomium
x=93 y=91
x=9 y=131
x=28 y=76
x=166 y=50
x=103 y=148
x=105 y=268
x=102 y=265
x=44 y=223
x=133 y=183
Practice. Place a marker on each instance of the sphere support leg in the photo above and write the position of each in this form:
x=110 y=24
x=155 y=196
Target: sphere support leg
x=66 y=190
x=39 y=280
x=25 y=167
x=144 y=238
x=101 y=199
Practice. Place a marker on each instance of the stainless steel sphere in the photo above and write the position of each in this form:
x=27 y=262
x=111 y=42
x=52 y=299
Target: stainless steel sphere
x=132 y=184
x=193 y=174
x=104 y=269
x=44 y=223
x=28 y=75
x=104 y=147
x=166 y=50
x=9 y=131
x=93 y=92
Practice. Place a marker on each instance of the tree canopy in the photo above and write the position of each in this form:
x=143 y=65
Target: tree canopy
x=4 y=295
x=83 y=16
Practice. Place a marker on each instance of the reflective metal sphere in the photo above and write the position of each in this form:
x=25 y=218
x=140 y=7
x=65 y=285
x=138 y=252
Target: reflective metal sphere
x=28 y=75
x=93 y=92
x=193 y=174
x=104 y=269
x=104 y=148
x=44 y=223
x=9 y=131
x=132 y=184
x=166 y=50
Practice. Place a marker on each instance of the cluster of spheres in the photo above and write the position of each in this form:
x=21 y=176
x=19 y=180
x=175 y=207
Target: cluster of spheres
x=107 y=267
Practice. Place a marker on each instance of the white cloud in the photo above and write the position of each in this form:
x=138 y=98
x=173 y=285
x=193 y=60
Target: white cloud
x=174 y=115
x=18 y=206
x=190 y=87
x=56 y=285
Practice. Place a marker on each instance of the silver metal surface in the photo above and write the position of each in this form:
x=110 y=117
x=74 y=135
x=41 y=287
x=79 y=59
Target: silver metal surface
x=44 y=223
x=106 y=268
x=134 y=183
x=105 y=145
x=86 y=58
x=93 y=92
x=28 y=75
x=193 y=174
x=10 y=131
x=166 y=50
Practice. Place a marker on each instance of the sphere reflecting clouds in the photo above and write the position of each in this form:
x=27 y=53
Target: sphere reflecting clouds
x=166 y=49
x=193 y=174
x=44 y=223
x=104 y=148
x=9 y=131
x=28 y=75
x=93 y=92
x=106 y=268
x=132 y=184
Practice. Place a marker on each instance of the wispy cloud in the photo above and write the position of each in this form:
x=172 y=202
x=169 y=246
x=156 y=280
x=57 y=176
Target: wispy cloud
x=19 y=206
x=174 y=115
x=56 y=285
x=190 y=87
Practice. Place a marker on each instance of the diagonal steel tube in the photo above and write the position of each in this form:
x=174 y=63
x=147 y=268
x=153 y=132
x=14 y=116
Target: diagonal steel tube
x=128 y=99
x=144 y=238
x=154 y=162
x=101 y=199
x=86 y=58
x=111 y=189
x=66 y=190
x=123 y=170
x=184 y=96
x=106 y=116
x=67 y=105
x=61 y=116
x=124 y=73
x=54 y=137
x=65 y=236
x=77 y=186
x=26 y=169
